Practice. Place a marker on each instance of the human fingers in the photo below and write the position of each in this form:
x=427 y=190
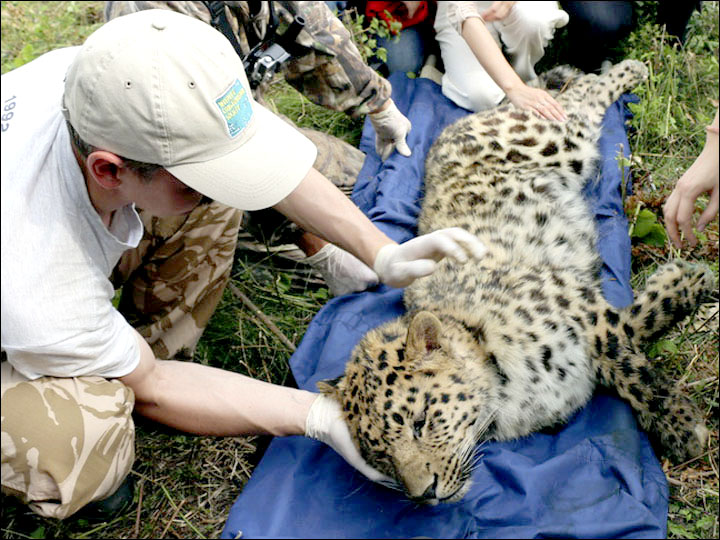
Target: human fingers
x=686 y=208
x=491 y=14
x=402 y=147
x=436 y=246
x=557 y=110
x=711 y=210
x=670 y=215
x=497 y=11
x=470 y=243
x=408 y=271
x=546 y=106
x=383 y=147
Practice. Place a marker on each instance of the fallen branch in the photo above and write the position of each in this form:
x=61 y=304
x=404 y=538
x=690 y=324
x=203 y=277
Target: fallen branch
x=264 y=318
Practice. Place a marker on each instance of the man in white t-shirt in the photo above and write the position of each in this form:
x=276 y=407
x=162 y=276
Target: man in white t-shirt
x=153 y=112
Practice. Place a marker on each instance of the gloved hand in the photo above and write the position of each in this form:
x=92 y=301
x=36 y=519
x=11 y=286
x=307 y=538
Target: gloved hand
x=391 y=128
x=400 y=265
x=343 y=272
x=325 y=423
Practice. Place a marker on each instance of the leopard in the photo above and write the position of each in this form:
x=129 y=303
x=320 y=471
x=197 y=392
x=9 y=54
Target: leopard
x=518 y=340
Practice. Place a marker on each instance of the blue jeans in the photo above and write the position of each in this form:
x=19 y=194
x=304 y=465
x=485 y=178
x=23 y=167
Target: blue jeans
x=408 y=53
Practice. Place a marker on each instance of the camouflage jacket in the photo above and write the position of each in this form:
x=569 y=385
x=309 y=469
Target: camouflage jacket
x=332 y=73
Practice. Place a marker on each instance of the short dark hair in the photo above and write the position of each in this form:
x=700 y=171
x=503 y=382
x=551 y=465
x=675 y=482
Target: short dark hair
x=144 y=170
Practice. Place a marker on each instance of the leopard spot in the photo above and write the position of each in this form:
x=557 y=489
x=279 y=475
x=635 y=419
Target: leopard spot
x=611 y=317
x=612 y=346
x=520 y=116
x=576 y=166
x=550 y=149
x=650 y=319
x=516 y=157
x=546 y=355
x=527 y=141
x=629 y=332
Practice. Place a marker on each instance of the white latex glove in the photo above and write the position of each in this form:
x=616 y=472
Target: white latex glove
x=325 y=423
x=391 y=129
x=343 y=272
x=400 y=265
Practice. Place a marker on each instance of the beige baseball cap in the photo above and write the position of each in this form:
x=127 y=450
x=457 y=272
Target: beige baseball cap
x=160 y=87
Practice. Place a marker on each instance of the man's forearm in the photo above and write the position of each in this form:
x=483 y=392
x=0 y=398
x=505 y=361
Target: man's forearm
x=208 y=401
x=319 y=207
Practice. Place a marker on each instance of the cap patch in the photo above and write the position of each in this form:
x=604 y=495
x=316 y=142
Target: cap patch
x=235 y=108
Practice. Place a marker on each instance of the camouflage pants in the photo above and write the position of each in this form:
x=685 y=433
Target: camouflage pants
x=69 y=441
x=65 y=442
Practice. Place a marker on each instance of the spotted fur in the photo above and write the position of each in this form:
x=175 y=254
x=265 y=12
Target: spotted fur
x=516 y=342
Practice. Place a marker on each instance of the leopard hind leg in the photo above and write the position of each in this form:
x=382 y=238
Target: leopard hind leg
x=668 y=415
x=673 y=422
x=591 y=95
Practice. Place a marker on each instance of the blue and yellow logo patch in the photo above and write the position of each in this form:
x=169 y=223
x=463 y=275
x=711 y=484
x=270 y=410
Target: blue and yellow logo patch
x=235 y=107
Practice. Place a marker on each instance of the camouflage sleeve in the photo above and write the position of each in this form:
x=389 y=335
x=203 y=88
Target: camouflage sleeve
x=237 y=12
x=193 y=9
x=334 y=73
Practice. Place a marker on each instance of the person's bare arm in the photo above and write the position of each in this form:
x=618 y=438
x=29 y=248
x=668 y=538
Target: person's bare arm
x=209 y=401
x=317 y=206
x=491 y=58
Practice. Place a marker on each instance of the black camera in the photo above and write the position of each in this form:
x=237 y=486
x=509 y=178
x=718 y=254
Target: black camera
x=264 y=60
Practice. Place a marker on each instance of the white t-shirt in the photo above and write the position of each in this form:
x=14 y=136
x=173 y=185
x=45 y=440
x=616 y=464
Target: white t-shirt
x=57 y=312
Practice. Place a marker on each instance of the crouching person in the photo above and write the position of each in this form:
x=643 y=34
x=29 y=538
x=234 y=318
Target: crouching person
x=130 y=160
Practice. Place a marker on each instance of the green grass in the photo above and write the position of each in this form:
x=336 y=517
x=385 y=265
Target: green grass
x=186 y=484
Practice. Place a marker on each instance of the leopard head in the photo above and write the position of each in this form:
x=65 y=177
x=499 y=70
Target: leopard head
x=415 y=405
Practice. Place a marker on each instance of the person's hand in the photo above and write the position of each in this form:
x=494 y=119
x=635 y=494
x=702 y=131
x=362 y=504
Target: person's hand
x=412 y=8
x=391 y=129
x=399 y=265
x=343 y=272
x=538 y=101
x=325 y=423
x=701 y=177
x=497 y=11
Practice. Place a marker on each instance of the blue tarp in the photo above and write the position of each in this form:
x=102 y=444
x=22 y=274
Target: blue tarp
x=595 y=477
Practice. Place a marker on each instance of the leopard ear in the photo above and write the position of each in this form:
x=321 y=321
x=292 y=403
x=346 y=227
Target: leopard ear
x=424 y=336
x=331 y=387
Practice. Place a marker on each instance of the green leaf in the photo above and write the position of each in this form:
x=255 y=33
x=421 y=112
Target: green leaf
x=663 y=347
x=645 y=220
x=679 y=531
x=656 y=237
x=38 y=533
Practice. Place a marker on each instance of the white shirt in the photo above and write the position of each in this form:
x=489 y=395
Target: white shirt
x=57 y=313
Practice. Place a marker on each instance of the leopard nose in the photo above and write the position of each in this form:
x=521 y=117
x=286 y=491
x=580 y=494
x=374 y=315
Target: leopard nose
x=430 y=491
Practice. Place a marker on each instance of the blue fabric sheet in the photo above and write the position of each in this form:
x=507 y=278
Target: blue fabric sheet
x=595 y=477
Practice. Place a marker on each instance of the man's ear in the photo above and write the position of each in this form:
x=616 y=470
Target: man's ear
x=104 y=168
